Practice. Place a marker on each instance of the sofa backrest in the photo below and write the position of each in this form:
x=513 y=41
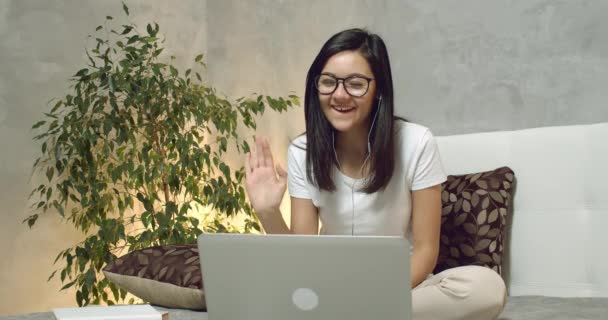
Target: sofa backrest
x=558 y=235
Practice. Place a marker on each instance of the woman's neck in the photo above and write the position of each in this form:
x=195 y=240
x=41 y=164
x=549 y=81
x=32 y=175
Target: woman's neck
x=352 y=146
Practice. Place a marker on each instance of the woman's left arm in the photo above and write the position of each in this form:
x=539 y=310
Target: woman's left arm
x=426 y=225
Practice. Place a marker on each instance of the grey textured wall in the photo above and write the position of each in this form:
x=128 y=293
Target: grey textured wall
x=500 y=65
x=459 y=66
x=41 y=45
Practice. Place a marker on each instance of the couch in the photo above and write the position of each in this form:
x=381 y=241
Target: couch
x=556 y=233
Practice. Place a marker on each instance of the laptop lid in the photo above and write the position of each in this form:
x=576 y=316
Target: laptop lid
x=268 y=277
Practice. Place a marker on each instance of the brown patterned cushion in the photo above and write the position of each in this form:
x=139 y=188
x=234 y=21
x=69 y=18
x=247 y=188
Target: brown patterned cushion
x=167 y=276
x=473 y=221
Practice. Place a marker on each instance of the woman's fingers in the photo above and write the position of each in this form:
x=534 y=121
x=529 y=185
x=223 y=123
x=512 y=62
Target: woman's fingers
x=268 y=161
x=261 y=157
x=281 y=172
x=259 y=150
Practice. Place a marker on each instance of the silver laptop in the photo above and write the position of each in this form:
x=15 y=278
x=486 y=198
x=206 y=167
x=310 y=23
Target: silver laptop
x=278 y=277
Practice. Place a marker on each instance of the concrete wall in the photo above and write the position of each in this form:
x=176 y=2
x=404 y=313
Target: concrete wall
x=41 y=45
x=499 y=65
x=459 y=66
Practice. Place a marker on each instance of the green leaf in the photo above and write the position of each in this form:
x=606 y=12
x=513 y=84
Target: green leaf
x=31 y=220
x=89 y=277
x=110 y=83
x=81 y=72
x=125 y=8
x=115 y=292
x=146 y=217
x=50 y=171
x=109 y=18
x=79 y=298
x=98 y=28
x=171 y=208
x=51 y=276
x=194 y=221
x=38 y=124
x=132 y=39
x=198 y=58
x=126 y=30
x=68 y=285
x=107 y=126
x=57 y=105
x=59 y=208
x=225 y=170
x=246 y=148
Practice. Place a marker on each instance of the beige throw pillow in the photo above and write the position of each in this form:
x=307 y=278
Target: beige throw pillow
x=167 y=276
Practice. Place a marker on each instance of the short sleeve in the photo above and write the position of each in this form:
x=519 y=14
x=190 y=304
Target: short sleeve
x=429 y=170
x=296 y=173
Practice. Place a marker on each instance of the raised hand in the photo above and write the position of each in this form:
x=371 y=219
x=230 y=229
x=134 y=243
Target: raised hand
x=265 y=186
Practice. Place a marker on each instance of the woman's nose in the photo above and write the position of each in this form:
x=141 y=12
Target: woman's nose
x=340 y=92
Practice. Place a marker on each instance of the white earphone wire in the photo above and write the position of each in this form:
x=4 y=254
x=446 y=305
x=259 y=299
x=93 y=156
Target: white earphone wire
x=369 y=151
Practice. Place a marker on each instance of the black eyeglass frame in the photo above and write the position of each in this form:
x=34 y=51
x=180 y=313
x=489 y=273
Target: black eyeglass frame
x=369 y=80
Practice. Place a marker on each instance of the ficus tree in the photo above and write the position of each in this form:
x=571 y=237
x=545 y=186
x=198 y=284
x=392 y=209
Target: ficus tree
x=134 y=156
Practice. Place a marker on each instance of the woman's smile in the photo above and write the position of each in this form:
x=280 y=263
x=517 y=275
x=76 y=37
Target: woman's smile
x=343 y=109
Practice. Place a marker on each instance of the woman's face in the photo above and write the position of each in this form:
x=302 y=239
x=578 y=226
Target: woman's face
x=346 y=112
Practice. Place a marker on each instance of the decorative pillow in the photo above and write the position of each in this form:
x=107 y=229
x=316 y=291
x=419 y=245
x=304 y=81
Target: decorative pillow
x=167 y=276
x=474 y=218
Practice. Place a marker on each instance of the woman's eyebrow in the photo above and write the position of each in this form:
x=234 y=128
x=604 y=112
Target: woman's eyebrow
x=349 y=75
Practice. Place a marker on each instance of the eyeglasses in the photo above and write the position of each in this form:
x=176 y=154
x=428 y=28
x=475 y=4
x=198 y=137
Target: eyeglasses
x=355 y=86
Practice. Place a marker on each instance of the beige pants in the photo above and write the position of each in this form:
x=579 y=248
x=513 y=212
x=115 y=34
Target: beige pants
x=471 y=293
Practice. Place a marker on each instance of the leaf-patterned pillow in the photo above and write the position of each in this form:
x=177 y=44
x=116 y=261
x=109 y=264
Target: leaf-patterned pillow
x=168 y=276
x=474 y=218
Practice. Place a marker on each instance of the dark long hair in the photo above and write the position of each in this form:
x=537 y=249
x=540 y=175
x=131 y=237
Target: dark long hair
x=320 y=157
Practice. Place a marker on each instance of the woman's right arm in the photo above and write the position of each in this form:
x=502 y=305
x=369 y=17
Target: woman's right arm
x=265 y=188
x=304 y=217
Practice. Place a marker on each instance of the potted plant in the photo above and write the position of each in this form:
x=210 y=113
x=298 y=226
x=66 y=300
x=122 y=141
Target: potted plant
x=132 y=152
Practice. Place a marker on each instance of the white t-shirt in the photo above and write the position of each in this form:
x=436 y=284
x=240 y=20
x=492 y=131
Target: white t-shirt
x=386 y=212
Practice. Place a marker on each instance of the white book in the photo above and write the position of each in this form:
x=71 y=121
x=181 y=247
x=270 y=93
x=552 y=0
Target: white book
x=123 y=312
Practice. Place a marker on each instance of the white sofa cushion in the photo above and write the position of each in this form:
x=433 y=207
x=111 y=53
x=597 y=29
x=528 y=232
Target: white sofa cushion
x=559 y=230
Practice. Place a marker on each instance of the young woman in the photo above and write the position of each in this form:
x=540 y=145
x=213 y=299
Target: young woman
x=362 y=171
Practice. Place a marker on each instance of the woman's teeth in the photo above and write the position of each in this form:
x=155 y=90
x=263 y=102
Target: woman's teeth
x=342 y=109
